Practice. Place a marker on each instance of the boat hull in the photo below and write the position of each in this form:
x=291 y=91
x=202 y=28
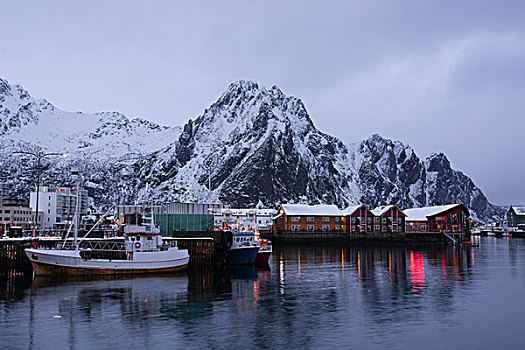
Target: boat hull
x=263 y=257
x=69 y=263
x=242 y=256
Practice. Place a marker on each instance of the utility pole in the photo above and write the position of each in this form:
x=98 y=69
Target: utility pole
x=39 y=155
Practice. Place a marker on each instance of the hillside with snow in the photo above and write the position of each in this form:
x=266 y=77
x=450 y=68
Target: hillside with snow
x=35 y=124
x=252 y=144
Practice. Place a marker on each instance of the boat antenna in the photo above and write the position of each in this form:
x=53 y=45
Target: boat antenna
x=75 y=175
x=94 y=226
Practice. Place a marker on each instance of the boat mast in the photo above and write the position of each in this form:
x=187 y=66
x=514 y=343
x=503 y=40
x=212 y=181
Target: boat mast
x=76 y=176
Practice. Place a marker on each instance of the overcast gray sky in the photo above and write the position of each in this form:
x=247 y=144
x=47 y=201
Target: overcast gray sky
x=442 y=76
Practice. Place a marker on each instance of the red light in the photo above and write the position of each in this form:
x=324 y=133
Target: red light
x=417 y=272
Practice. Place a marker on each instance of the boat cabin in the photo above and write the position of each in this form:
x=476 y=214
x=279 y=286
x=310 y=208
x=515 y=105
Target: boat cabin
x=141 y=234
x=244 y=240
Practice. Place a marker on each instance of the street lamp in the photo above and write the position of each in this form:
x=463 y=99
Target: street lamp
x=39 y=155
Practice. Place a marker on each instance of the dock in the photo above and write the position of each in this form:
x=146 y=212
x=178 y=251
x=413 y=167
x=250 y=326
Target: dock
x=206 y=249
x=391 y=237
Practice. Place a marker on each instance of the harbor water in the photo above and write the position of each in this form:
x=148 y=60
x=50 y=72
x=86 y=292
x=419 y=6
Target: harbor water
x=308 y=297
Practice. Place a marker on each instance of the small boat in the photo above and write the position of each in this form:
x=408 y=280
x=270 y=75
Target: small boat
x=495 y=232
x=142 y=252
x=244 y=249
x=263 y=255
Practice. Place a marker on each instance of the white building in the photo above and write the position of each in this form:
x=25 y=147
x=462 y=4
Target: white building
x=14 y=213
x=251 y=218
x=58 y=205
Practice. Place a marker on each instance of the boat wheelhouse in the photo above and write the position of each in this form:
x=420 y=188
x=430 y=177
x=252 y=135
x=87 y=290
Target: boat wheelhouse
x=244 y=249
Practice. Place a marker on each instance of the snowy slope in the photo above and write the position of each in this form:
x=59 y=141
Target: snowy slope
x=38 y=124
x=256 y=143
x=252 y=144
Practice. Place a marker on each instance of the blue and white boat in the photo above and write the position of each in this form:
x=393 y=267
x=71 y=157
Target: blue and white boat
x=244 y=249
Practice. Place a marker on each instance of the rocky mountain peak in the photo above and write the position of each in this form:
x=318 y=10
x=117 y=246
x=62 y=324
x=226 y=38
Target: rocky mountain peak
x=437 y=162
x=253 y=145
x=247 y=105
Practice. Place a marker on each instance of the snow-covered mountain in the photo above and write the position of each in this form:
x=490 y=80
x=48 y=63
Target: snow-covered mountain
x=27 y=121
x=252 y=144
x=256 y=143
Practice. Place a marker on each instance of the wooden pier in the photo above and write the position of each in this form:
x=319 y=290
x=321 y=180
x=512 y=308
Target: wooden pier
x=391 y=237
x=206 y=249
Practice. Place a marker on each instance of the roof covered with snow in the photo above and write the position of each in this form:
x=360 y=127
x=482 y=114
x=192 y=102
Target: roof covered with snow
x=381 y=210
x=313 y=210
x=519 y=210
x=246 y=211
x=351 y=209
x=421 y=214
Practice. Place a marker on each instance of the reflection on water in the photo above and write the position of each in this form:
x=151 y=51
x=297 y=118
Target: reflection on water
x=307 y=297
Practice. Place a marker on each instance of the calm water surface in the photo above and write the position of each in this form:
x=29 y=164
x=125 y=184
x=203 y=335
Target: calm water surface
x=351 y=296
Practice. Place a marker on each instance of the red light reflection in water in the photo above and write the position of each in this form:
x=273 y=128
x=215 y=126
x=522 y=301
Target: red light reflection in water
x=417 y=272
x=255 y=295
x=444 y=269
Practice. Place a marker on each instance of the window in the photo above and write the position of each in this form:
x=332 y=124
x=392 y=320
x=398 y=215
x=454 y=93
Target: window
x=8 y=211
x=353 y=219
x=337 y=219
x=399 y=220
x=337 y=227
x=326 y=218
x=310 y=218
x=383 y=219
x=376 y=219
x=295 y=218
x=49 y=211
x=376 y=227
x=295 y=227
x=326 y=227
x=310 y=227
x=353 y=228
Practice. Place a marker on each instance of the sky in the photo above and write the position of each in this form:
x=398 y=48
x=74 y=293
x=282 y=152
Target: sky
x=441 y=76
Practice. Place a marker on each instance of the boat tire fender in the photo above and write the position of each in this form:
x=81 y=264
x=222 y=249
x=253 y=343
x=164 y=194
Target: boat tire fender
x=137 y=245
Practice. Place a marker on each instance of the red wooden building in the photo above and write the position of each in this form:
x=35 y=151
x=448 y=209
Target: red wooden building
x=444 y=218
x=389 y=219
x=358 y=219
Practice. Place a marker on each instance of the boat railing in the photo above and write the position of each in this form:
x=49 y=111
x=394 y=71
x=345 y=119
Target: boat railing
x=103 y=246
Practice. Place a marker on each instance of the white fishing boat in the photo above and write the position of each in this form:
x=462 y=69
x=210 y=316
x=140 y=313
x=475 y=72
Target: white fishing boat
x=141 y=252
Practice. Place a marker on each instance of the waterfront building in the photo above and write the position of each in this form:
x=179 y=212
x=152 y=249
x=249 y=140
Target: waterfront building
x=358 y=218
x=176 y=217
x=58 y=205
x=15 y=212
x=443 y=218
x=250 y=218
x=308 y=218
x=389 y=218
x=516 y=217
